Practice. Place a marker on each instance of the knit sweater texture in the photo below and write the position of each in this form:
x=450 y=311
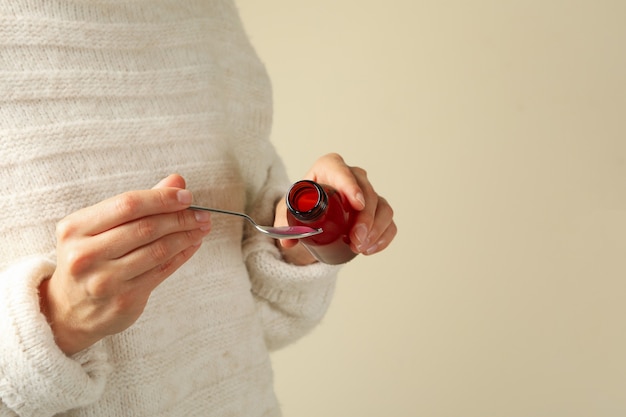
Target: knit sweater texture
x=105 y=96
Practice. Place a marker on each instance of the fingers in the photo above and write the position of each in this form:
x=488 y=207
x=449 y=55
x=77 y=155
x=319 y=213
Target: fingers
x=331 y=169
x=374 y=228
x=150 y=279
x=152 y=225
x=132 y=248
x=373 y=220
x=124 y=208
x=158 y=254
x=133 y=295
x=373 y=233
x=126 y=238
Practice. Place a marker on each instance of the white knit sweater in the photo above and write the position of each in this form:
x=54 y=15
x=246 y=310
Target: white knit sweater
x=98 y=97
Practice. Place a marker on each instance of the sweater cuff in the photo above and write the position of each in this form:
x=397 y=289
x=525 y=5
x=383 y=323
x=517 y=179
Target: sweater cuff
x=309 y=288
x=36 y=377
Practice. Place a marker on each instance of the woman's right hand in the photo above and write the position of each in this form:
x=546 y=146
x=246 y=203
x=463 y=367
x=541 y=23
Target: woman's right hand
x=111 y=256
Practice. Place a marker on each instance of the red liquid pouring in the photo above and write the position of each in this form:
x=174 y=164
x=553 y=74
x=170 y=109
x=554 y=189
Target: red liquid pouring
x=321 y=206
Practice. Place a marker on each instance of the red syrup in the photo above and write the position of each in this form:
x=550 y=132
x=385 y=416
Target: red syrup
x=321 y=206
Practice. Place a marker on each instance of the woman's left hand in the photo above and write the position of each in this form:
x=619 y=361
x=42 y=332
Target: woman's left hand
x=374 y=227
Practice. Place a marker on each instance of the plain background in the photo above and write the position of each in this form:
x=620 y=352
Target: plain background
x=497 y=129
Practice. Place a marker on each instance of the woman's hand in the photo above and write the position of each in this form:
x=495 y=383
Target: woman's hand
x=111 y=256
x=374 y=228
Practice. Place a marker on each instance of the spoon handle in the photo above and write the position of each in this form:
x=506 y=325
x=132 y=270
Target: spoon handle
x=216 y=210
x=279 y=232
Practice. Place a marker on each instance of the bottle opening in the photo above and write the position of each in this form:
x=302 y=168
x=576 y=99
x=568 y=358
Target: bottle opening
x=306 y=199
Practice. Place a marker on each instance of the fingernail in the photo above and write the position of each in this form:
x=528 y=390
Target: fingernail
x=202 y=216
x=184 y=196
x=360 y=198
x=360 y=233
x=372 y=249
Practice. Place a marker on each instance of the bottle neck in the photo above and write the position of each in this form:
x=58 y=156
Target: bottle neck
x=307 y=200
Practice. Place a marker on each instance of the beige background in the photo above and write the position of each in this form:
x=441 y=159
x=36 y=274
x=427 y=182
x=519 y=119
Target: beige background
x=498 y=131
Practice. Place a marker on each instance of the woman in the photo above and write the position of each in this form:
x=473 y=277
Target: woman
x=114 y=298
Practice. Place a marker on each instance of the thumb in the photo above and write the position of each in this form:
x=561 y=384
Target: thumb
x=171 y=181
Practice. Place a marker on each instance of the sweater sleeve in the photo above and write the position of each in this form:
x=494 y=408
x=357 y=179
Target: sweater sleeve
x=36 y=377
x=290 y=299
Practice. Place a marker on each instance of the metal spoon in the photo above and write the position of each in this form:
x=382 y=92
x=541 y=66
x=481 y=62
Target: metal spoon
x=280 y=232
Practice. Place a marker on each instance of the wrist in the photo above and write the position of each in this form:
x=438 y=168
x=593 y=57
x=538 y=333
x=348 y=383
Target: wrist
x=69 y=341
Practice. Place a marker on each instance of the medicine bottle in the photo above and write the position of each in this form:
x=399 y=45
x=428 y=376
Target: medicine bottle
x=321 y=206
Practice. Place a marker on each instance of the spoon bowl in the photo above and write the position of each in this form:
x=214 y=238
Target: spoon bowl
x=276 y=232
